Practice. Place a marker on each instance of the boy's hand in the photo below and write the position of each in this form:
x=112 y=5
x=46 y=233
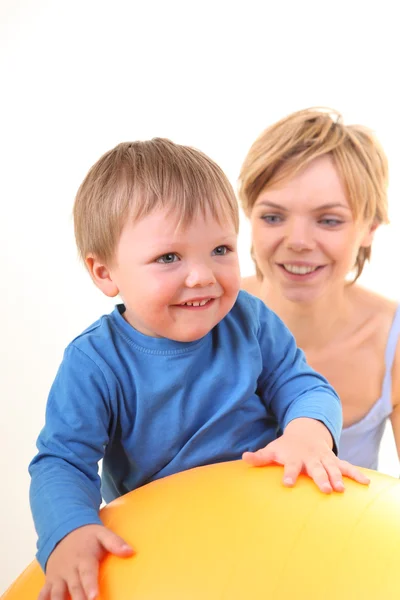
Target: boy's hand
x=306 y=446
x=72 y=568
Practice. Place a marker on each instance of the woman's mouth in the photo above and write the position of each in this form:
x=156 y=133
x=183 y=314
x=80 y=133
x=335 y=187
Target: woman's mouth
x=299 y=269
x=300 y=272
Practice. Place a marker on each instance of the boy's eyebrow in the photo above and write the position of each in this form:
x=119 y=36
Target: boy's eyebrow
x=164 y=245
x=171 y=239
x=326 y=206
x=228 y=237
x=177 y=242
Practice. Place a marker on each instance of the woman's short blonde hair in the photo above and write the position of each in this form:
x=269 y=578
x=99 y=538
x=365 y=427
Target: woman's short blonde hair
x=292 y=143
x=134 y=178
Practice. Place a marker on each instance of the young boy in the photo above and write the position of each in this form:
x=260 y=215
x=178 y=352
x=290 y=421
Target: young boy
x=188 y=371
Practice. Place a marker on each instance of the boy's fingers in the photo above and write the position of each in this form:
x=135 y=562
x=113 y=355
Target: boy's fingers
x=354 y=473
x=59 y=591
x=45 y=592
x=334 y=474
x=260 y=458
x=89 y=572
x=75 y=588
x=317 y=472
x=114 y=544
x=291 y=472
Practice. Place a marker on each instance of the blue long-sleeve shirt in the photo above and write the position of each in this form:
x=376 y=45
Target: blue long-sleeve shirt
x=150 y=407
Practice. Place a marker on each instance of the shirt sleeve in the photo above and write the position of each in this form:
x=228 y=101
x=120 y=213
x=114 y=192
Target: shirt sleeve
x=65 y=482
x=289 y=387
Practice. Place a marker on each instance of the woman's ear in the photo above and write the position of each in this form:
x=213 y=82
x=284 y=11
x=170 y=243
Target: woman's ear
x=101 y=275
x=369 y=235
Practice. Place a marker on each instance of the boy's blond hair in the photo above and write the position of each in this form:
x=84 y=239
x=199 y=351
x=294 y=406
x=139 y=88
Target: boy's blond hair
x=292 y=143
x=134 y=178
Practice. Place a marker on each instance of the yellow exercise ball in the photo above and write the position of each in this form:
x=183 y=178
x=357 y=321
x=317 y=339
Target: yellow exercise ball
x=232 y=532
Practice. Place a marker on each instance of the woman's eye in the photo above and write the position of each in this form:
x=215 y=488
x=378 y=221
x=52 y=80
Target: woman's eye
x=167 y=259
x=221 y=250
x=272 y=219
x=331 y=222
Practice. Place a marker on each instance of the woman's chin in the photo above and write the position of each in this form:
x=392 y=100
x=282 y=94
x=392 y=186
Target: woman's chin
x=302 y=296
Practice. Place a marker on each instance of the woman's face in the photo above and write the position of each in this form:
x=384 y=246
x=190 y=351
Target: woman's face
x=305 y=239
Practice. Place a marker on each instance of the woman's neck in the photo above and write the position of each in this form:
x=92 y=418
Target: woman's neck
x=314 y=324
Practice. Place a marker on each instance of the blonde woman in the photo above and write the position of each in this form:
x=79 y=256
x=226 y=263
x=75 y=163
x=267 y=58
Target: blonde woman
x=314 y=190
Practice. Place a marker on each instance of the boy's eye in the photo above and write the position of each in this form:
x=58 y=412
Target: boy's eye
x=272 y=219
x=167 y=259
x=220 y=250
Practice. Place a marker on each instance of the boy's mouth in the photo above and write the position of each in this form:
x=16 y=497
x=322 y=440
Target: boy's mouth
x=196 y=303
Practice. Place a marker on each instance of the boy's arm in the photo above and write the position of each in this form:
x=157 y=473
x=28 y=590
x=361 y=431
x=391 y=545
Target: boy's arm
x=290 y=388
x=307 y=409
x=65 y=486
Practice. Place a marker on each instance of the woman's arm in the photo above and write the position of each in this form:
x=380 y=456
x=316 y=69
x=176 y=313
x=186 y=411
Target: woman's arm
x=395 y=416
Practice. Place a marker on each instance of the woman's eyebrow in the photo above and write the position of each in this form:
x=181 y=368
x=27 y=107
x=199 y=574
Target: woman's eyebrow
x=327 y=206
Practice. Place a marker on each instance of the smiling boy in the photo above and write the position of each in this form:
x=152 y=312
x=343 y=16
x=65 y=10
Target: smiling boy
x=187 y=371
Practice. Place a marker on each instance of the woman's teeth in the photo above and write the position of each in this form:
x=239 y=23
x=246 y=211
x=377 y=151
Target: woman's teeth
x=299 y=270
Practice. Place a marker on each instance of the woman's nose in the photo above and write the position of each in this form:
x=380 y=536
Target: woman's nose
x=299 y=236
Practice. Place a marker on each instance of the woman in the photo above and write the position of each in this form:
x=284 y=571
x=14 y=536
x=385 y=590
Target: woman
x=315 y=193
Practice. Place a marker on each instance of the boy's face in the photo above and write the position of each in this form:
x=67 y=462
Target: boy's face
x=175 y=283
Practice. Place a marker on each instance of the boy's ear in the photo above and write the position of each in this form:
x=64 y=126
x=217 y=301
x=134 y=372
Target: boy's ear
x=101 y=275
x=369 y=235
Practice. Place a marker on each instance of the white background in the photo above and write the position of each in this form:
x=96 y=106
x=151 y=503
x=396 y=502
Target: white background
x=77 y=77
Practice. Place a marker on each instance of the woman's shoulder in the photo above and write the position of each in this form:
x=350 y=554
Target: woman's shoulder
x=374 y=303
x=251 y=285
x=380 y=313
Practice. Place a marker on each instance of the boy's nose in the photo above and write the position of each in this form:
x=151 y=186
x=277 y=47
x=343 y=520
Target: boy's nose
x=200 y=276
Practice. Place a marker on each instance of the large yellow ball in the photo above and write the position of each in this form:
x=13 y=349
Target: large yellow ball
x=232 y=532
